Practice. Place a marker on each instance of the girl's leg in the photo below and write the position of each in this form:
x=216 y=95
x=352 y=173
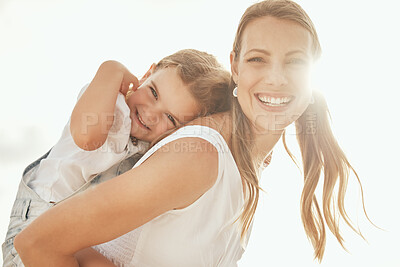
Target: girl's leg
x=27 y=206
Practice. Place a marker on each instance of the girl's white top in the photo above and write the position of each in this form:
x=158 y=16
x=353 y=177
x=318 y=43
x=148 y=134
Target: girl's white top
x=68 y=167
x=201 y=234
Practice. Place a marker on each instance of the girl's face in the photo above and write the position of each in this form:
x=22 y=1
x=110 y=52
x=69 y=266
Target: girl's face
x=272 y=72
x=161 y=103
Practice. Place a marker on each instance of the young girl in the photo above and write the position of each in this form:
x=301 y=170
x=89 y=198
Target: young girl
x=115 y=118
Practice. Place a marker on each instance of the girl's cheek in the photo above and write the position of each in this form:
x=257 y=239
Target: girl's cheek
x=162 y=127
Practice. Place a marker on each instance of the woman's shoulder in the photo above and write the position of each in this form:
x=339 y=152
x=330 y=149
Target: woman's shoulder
x=220 y=122
x=216 y=129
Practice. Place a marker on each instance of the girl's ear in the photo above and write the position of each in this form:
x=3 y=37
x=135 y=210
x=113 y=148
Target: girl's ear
x=147 y=74
x=234 y=67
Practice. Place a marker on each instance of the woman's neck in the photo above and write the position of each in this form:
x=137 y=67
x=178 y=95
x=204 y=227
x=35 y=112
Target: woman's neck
x=264 y=143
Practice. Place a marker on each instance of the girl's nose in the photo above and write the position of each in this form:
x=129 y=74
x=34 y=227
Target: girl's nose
x=152 y=116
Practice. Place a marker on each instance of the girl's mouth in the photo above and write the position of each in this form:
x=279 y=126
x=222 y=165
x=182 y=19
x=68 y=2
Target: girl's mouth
x=141 y=122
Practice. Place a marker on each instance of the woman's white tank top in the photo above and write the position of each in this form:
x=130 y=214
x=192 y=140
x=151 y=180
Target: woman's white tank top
x=202 y=234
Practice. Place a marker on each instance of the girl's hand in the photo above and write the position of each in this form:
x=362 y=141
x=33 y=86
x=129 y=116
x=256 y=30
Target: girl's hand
x=129 y=82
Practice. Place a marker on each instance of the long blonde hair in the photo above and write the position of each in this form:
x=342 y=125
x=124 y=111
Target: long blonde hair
x=319 y=149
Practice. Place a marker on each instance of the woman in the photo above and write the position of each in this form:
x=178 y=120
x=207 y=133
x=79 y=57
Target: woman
x=186 y=213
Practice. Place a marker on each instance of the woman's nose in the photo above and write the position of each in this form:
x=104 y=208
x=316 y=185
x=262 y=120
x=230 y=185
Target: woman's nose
x=276 y=75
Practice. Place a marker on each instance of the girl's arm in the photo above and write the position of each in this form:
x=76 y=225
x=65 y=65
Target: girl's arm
x=93 y=114
x=173 y=177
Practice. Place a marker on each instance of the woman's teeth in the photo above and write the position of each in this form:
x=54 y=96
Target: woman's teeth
x=275 y=101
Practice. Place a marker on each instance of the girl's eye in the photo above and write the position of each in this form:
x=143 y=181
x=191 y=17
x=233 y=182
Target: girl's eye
x=171 y=119
x=154 y=93
x=255 y=59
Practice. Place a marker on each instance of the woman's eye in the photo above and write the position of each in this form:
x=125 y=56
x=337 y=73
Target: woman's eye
x=296 y=61
x=154 y=92
x=255 y=59
x=171 y=119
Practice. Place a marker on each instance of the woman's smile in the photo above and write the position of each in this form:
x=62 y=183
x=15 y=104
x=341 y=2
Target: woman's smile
x=274 y=102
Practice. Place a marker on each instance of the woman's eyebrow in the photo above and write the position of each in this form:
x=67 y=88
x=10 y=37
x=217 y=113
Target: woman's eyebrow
x=159 y=97
x=258 y=50
x=268 y=53
x=298 y=51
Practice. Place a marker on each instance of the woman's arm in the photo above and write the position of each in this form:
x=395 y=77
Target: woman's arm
x=93 y=114
x=173 y=177
x=89 y=257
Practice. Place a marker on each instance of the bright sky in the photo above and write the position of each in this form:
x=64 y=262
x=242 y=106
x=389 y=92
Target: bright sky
x=50 y=49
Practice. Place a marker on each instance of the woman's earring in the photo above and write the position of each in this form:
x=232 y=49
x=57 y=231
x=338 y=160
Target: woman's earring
x=312 y=101
x=234 y=92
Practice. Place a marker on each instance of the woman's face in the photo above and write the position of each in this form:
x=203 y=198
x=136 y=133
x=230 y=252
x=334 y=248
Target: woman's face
x=272 y=72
